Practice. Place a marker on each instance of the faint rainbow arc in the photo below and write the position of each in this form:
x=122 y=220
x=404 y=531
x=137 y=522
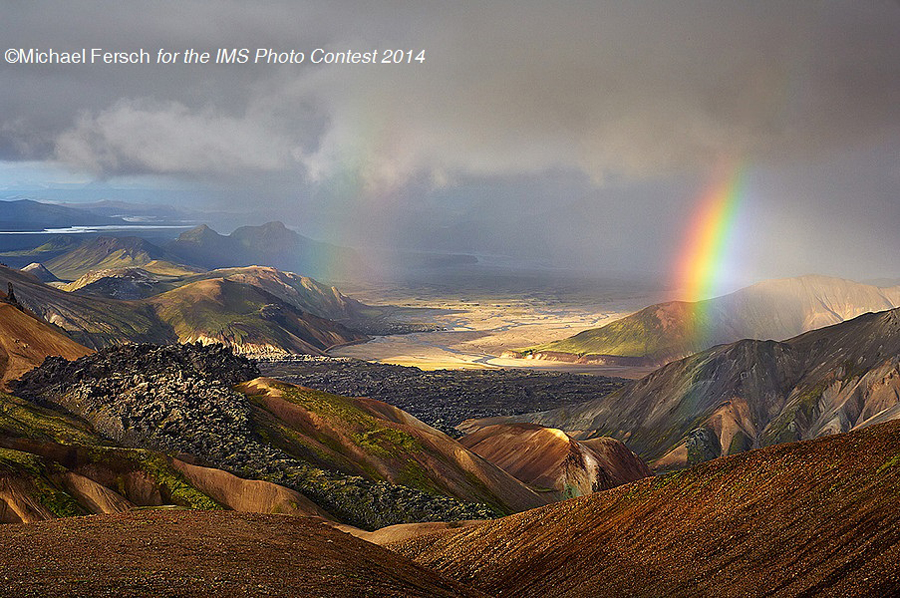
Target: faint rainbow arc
x=709 y=245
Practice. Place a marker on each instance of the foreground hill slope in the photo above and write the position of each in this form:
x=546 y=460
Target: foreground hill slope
x=773 y=309
x=25 y=341
x=549 y=459
x=205 y=554
x=748 y=394
x=815 y=518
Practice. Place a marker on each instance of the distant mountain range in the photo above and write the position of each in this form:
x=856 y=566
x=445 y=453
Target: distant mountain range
x=246 y=317
x=126 y=288
x=109 y=253
x=774 y=309
x=26 y=215
x=747 y=394
x=271 y=244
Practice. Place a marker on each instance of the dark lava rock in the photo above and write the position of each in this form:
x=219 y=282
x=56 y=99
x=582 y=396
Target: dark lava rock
x=179 y=399
x=444 y=398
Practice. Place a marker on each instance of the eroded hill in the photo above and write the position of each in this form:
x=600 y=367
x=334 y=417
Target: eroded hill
x=25 y=341
x=363 y=462
x=548 y=459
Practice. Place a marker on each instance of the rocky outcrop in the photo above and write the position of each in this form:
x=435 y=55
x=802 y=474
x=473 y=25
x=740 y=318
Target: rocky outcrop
x=179 y=399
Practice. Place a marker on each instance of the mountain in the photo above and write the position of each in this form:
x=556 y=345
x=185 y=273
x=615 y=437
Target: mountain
x=40 y=272
x=271 y=244
x=94 y=322
x=25 y=341
x=748 y=394
x=246 y=318
x=775 y=309
x=302 y=292
x=815 y=518
x=107 y=253
x=127 y=284
x=178 y=553
x=243 y=316
x=549 y=460
x=29 y=215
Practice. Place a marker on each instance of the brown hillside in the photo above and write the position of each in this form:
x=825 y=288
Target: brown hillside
x=814 y=518
x=377 y=441
x=158 y=553
x=25 y=341
x=547 y=458
x=247 y=496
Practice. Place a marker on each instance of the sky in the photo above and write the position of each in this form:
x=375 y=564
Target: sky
x=572 y=134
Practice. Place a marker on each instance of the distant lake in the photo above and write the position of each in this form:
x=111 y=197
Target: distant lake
x=75 y=230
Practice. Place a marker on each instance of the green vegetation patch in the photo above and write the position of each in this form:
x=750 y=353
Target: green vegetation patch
x=386 y=442
x=371 y=434
x=35 y=470
x=893 y=462
x=19 y=418
x=177 y=488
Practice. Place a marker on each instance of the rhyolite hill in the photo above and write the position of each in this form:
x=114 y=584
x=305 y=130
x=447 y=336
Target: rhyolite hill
x=747 y=394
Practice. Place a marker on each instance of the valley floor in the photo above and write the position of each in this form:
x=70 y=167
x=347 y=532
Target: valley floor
x=484 y=317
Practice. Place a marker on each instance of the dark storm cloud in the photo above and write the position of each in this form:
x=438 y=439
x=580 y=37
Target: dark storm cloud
x=507 y=88
x=580 y=131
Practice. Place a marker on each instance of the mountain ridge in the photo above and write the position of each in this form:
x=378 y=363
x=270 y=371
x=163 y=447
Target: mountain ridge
x=747 y=394
x=774 y=309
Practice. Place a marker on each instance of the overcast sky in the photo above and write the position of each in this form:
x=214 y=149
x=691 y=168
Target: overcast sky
x=577 y=133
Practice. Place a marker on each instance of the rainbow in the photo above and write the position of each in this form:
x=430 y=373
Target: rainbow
x=706 y=259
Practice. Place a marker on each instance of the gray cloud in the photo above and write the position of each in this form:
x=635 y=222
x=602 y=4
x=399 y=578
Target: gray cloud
x=170 y=139
x=507 y=88
x=514 y=97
